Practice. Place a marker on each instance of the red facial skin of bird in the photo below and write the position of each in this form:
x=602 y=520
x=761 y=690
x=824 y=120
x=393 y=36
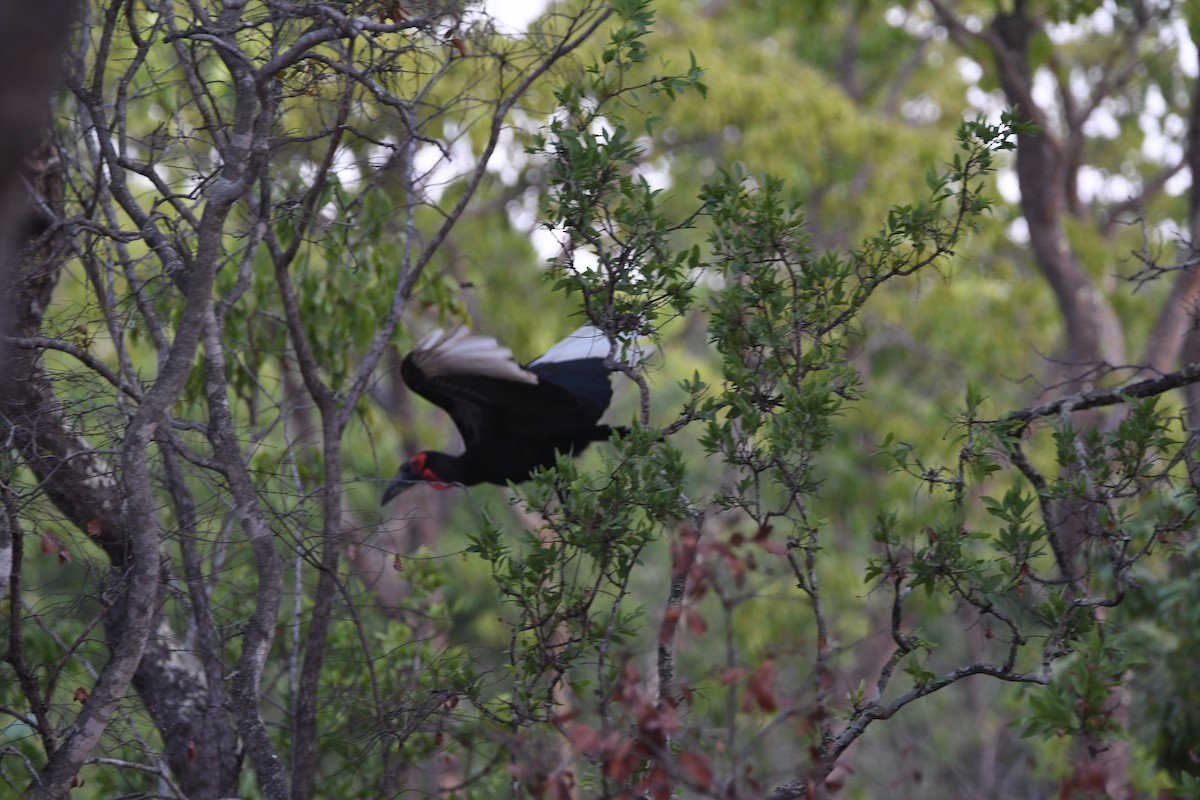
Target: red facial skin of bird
x=417 y=464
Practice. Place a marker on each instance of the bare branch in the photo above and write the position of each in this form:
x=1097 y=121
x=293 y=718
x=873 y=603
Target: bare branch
x=1098 y=398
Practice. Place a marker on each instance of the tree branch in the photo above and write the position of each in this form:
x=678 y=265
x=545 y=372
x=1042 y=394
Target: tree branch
x=1097 y=398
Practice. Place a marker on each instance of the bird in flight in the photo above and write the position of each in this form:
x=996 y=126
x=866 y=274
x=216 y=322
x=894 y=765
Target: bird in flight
x=513 y=419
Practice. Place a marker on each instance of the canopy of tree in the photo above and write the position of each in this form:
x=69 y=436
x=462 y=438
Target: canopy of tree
x=907 y=502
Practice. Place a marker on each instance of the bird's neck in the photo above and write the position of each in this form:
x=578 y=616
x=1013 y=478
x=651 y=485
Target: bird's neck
x=452 y=469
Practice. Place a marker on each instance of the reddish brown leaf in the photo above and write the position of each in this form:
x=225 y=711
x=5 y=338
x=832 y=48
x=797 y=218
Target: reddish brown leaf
x=721 y=549
x=93 y=527
x=397 y=564
x=584 y=738
x=696 y=623
x=80 y=695
x=739 y=573
x=761 y=686
x=352 y=551
x=666 y=631
x=774 y=548
x=564 y=717
x=459 y=45
x=730 y=675
x=1088 y=778
x=562 y=785
x=683 y=553
x=748 y=774
x=622 y=761
x=49 y=544
x=64 y=555
x=627 y=686
x=658 y=783
x=696 y=770
x=191 y=750
x=655 y=721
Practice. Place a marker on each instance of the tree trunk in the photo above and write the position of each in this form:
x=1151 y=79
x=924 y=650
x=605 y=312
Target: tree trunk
x=1094 y=338
x=198 y=739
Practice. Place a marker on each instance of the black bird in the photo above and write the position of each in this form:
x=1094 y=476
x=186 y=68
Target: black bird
x=513 y=419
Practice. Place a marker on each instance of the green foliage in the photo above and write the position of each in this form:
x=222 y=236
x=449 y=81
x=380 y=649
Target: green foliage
x=1079 y=701
x=677 y=610
x=631 y=275
x=786 y=315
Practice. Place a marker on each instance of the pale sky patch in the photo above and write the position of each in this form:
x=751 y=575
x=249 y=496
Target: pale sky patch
x=1179 y=183
x=921 y=110
x=546 y=242
x=989 y=104
x=345 y=166
x=969 y=68
x=1102 y=124
x=1018 y=231
x=1098 y=184
x=514 y=15
x=1189 y=60
x=1007 y=185
x=434 y=171
x=1045 y=89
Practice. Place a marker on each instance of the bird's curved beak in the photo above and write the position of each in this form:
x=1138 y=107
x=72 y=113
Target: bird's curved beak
x=403 y=480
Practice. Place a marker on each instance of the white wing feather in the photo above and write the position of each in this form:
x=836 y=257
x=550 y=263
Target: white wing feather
x=589 y=342
x=461 y=353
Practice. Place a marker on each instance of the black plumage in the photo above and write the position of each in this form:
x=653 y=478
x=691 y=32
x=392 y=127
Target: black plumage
x=513 y=419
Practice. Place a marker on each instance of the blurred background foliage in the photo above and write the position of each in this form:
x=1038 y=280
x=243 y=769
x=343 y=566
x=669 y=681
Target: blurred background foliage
x=851 y=105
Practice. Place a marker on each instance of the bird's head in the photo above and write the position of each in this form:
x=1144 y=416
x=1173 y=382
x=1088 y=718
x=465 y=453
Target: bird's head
x=424 y=467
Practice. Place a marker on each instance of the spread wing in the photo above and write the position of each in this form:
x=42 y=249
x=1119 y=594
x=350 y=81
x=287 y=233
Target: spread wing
x=577 y=365
x=585 y=381
x=486 y=392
